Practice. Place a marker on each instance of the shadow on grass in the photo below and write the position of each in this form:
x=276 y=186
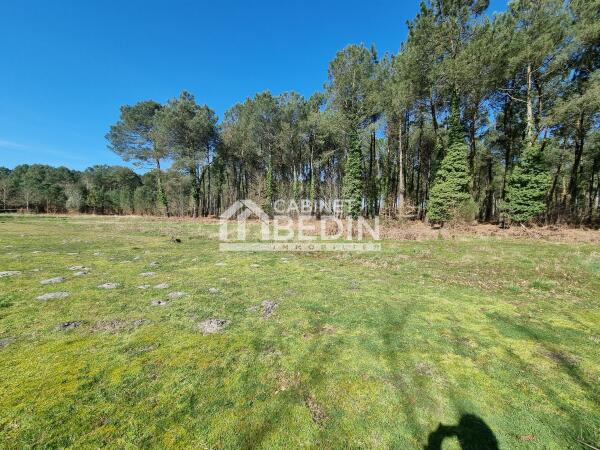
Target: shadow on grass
x=472 y=434
x=571 y=413
x=319 y=353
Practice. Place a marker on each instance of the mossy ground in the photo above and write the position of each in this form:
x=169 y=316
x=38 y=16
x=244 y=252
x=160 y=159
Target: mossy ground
x=370 y=350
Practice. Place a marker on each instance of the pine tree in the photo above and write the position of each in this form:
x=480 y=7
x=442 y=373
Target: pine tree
x=450 y=192
x=527 y=187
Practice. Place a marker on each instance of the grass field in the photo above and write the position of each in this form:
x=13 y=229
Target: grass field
x=476 y=339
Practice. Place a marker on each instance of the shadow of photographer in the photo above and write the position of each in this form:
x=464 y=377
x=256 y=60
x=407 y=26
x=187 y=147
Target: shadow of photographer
x=472 y=434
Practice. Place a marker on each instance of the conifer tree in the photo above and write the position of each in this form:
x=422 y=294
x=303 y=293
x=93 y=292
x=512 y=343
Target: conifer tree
x=527 y=187
x=450 y=192
x=353 y=182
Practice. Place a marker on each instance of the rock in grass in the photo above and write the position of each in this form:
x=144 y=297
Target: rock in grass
x=144 y=286
x=9 y=273
x=108 y=286
x=211 y=326
x=158 y=302
x=147 y=274
x=77 y=268
x=80 y=273
x=67 y=325
x=53 y=280
x=213 y=290
x=162 y=286
x=53 y=295
x=5 y=342
x=175 y=295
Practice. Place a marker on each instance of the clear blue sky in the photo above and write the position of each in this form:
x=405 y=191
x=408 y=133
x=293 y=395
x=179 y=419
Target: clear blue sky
x=68 y=65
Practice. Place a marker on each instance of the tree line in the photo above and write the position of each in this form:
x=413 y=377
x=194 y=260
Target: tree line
x=476 y=117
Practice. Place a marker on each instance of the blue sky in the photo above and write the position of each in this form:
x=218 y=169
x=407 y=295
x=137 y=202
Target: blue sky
x=69 y=65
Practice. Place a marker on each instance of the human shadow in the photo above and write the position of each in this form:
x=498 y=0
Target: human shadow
x=472 y=434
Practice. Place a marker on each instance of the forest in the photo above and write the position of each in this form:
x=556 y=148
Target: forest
x=494 y=118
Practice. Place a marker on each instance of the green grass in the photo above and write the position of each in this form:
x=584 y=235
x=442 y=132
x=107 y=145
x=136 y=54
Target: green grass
x=364 y=351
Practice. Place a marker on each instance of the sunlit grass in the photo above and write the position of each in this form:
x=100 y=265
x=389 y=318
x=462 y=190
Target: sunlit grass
x=364 y=350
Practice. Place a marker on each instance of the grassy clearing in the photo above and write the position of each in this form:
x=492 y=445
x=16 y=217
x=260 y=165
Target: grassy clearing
x=363 y=351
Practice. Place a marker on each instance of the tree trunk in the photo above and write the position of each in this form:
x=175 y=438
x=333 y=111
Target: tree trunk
x=162 y=196
x=573 y=179
x=196 y=191
x=530 y=120
x=595 y=167
x=553 y=187
x=401 y=182
x=489 y=196
x=209 y=209
x=472 y=143
x=418 y=183
x=433 y=115
x=508 y=146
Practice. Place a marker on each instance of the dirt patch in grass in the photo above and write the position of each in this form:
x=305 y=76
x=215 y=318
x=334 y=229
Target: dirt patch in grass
x=159 y=302
x=137 y=350
x=268 y=308
x=67 y=326
x=320 y=330
x=560 y=357
x=527 y=438
x=424 y=369
x=117 y=324
x=213 y=325
x=287 y=381
x=317 y=413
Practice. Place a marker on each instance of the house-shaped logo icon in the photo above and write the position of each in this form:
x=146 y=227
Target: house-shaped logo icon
x=243 y=210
